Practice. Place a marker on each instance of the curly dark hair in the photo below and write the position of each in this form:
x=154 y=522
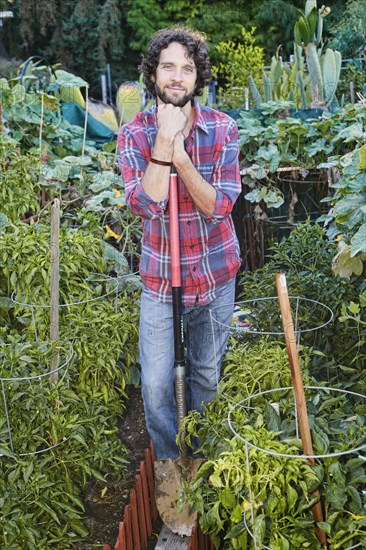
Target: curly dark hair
x=197 y=49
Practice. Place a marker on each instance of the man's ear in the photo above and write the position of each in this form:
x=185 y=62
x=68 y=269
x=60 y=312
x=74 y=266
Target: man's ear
x=152 y=78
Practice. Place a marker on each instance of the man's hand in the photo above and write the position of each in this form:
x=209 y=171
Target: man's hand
x=171 y=121
x=179 y=153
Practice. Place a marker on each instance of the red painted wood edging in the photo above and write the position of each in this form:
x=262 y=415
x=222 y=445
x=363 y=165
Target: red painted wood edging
x=141 y=512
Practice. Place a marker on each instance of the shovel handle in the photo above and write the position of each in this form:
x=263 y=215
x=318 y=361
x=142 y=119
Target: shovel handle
x=179 y=361
x=174 y=230
x=288 y=328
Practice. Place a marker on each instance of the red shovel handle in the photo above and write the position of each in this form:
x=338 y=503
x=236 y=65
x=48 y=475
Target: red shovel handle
x=174 y=230
x=179 y=361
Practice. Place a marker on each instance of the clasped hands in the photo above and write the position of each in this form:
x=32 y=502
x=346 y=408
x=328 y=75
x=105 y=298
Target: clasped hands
x=171 y=123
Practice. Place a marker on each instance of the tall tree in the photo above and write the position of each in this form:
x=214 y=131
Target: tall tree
x=82 y=35
x=348 y=34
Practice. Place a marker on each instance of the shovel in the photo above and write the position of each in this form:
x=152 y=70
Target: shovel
x=169 y=473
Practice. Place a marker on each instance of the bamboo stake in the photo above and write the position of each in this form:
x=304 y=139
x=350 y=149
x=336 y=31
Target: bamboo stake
x=298 y=386
x=55 y=278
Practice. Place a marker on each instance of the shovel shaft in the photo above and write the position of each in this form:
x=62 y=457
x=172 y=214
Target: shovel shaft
x=174 y=231
x=179 y=361
x=178 y=326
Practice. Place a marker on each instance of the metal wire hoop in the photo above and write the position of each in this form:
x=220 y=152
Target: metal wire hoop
x=106 y=278
x=24 y=378
x=284 y=455
x=275 y=333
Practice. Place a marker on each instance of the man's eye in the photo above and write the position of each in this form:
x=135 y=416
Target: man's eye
x=167 y=67
x=188 y=70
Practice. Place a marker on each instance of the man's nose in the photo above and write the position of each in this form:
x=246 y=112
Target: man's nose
x=177 y=75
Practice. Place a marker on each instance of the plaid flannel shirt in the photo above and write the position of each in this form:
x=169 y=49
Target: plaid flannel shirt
x=209 y=249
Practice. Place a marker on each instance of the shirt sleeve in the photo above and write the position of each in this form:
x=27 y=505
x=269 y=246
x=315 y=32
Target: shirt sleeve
x=226 y=177
x=133 y=164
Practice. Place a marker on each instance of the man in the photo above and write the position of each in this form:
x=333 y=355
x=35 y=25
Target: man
x=202 y=145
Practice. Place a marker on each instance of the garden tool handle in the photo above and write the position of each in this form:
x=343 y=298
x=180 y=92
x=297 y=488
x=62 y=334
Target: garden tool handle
x=179 y=361
x=289 y=332
x=174 y=229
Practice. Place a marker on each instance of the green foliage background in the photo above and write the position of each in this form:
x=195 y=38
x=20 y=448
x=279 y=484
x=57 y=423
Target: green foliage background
x=85 y=35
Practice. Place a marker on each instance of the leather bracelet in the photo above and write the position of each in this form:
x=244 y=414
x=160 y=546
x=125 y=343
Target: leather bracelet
x=160 y=162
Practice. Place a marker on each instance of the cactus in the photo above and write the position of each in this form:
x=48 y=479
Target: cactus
x=316 y=87
x=331 y=68
x=324 y=74
x=255 y=93
x=267 y=88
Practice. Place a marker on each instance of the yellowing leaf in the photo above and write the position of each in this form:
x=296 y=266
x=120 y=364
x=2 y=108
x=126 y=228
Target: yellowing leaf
x=215 y=480
x=103 y=491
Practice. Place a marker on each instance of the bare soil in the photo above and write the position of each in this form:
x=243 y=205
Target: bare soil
x=104 y=509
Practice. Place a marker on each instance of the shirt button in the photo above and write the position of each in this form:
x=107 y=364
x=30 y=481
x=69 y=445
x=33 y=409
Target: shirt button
x=194 y=269
x=189 y=223
x=192 y=246
x=185 y=198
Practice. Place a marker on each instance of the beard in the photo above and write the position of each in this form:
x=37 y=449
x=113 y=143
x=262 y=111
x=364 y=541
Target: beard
x=177 y=102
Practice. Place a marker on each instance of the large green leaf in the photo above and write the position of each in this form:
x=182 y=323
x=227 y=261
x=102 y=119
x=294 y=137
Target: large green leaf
x=350 y=211
x=68 y=79
x=358 y=241
x=336 y=495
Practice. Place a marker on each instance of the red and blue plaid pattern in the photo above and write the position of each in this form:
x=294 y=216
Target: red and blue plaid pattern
x=208 y=244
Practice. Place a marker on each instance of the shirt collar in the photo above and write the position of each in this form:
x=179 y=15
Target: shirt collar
x=199 y=119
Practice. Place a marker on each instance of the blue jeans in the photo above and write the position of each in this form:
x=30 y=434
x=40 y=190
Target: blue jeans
x=205 y=346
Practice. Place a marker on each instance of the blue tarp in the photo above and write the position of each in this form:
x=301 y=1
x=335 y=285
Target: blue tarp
x=303 y=114
x=96 y=131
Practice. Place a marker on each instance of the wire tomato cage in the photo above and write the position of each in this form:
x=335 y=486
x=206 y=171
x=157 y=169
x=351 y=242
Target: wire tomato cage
x=260 y=317
x=41 y=351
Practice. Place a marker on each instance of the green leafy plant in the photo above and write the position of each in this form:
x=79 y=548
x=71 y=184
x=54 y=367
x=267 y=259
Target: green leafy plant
x=306 y=258
x=277 y=137
x=238 y=481
x=347 y=217
x=71 y=426
x=20 y=187
x=237 y=61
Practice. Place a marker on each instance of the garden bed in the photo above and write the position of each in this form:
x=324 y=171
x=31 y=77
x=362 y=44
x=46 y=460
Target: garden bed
x=104 y=508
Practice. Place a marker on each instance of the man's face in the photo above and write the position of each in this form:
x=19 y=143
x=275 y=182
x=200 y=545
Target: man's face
x=175 y=76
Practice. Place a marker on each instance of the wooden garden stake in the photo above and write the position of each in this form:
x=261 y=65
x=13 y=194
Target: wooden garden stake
x=55 y=279
x=298 y=386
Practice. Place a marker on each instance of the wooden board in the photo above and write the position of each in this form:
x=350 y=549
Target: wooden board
x=170 y=541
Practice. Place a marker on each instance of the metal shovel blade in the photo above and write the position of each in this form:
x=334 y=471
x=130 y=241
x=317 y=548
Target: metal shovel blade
x=169 y=474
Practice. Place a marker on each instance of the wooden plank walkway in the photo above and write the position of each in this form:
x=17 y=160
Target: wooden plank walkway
x=170 y=541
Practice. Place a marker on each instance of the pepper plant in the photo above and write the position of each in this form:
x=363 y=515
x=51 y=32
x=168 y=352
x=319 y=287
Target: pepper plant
x=60 y=436
x=272 y=493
